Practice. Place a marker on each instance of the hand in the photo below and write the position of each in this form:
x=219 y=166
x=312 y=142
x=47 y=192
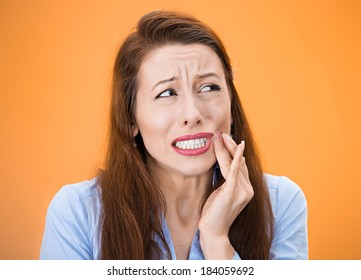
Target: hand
x=225 y=203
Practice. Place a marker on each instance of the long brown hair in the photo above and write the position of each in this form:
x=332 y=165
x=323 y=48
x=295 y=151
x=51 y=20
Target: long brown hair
x=132 y=202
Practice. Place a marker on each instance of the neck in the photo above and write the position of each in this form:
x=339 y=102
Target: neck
x=184 y=195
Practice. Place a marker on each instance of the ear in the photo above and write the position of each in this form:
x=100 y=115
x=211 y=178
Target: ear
x=135 y=129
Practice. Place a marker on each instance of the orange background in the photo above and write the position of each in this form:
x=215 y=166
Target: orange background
x=297 y=68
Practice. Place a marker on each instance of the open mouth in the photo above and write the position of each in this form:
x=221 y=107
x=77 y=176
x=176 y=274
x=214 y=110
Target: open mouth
x=192 y=145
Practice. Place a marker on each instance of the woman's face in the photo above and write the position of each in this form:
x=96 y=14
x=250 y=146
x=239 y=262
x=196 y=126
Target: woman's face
x=182 y=101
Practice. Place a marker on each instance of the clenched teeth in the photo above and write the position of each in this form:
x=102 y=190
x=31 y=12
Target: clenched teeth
x=191 y=144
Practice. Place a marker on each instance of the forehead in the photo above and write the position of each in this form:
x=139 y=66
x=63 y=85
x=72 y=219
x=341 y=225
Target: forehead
x=171 y=59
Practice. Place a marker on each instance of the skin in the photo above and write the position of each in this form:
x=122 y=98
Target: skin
x=183 y=91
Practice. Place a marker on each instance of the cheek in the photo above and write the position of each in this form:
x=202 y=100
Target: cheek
x=225 y=125
x=222 y=116
x=153 y=126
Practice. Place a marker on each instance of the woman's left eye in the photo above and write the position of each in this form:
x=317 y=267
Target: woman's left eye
x=211 y=87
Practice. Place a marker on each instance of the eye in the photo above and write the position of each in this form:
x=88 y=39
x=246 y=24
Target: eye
x=210 y=88
x=166 y=93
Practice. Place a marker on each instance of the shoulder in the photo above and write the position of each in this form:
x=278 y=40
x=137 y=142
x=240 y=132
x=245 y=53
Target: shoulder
x=79 y=200
x=284 y=193
x=76 y=195
x=281 y=184
x=289 y=208
x=72 y=222
x=81 y=191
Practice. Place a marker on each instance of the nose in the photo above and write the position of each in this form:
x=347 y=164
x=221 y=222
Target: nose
x=191 y=112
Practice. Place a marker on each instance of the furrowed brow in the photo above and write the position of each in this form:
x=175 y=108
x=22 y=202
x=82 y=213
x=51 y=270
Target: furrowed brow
x=206 y=75
x=164 y=81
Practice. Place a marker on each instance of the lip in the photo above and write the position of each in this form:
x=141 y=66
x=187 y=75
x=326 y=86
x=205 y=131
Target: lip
x=197 y=151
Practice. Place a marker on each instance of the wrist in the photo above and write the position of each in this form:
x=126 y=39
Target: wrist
x=216 y=247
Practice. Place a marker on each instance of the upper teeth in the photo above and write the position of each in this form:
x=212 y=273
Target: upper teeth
x=191 y=144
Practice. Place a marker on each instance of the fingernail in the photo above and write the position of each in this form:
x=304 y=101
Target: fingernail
x=243 y=143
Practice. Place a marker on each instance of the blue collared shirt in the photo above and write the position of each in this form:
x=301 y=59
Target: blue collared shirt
x=72 y=229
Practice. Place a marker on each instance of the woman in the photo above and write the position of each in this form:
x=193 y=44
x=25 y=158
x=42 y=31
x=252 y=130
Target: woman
x=183 y=179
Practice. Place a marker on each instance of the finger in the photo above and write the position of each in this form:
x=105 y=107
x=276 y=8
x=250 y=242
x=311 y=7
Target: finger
x=238 y=175
x=238 y=159
x=235 y=168
x=223 y=156
x=244 y=170
x=247 y=189
x=230 y=144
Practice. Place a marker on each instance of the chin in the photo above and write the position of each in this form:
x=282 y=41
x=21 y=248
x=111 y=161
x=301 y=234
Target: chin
x=196 y=169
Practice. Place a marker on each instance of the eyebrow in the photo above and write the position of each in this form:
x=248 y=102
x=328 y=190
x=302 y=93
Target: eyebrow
x=206 y=75
x=198 y=77
x=164 y=81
